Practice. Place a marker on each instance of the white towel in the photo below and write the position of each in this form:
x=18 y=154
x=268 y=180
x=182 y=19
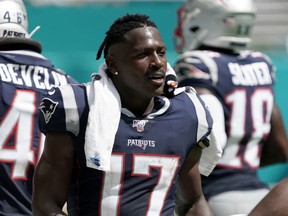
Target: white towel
x=103 y=120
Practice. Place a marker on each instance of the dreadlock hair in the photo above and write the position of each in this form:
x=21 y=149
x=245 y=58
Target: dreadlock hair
x=120 y=27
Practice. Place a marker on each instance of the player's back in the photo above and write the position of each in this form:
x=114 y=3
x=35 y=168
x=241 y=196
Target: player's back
x=243 y=84
x=25 y=77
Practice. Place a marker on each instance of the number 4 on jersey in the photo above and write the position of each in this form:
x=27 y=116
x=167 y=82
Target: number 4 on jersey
x=18 y=125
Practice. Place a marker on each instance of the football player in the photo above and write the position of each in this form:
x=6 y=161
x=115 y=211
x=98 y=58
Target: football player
x=25 y=77
x=236 y=83
x=116 y=145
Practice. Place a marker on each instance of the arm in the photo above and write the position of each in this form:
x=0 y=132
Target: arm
x=190 y=199
x=274 y=203
x=53 y=174
x=275 y=148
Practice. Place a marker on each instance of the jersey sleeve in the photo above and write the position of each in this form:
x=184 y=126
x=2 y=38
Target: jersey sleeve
x=197 y=69
x=206 y=137
x=60 y=110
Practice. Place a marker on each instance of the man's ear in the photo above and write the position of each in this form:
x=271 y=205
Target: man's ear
x=111 y=64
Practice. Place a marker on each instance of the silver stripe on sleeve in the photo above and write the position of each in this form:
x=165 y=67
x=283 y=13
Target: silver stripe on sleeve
x=201 y=115
x=71 y=111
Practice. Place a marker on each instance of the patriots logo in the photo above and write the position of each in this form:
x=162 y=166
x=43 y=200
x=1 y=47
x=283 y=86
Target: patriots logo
x=139 y=124
x=48 y=107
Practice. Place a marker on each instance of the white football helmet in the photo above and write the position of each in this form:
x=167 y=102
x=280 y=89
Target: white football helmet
x=13 y=19
x=217 y=23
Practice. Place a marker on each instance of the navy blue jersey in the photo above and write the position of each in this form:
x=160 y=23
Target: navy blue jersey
x=243 y=83
x=147 y=153
x=25 y=77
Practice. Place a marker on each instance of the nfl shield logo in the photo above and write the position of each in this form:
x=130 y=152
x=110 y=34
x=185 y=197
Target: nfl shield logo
x=139 y=124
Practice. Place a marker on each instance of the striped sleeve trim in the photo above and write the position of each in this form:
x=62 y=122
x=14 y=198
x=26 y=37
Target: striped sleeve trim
x=204 y=123
x=71 y=111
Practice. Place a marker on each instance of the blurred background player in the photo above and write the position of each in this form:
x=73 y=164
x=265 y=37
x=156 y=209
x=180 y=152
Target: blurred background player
x=25 y=76
x=237 y=85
